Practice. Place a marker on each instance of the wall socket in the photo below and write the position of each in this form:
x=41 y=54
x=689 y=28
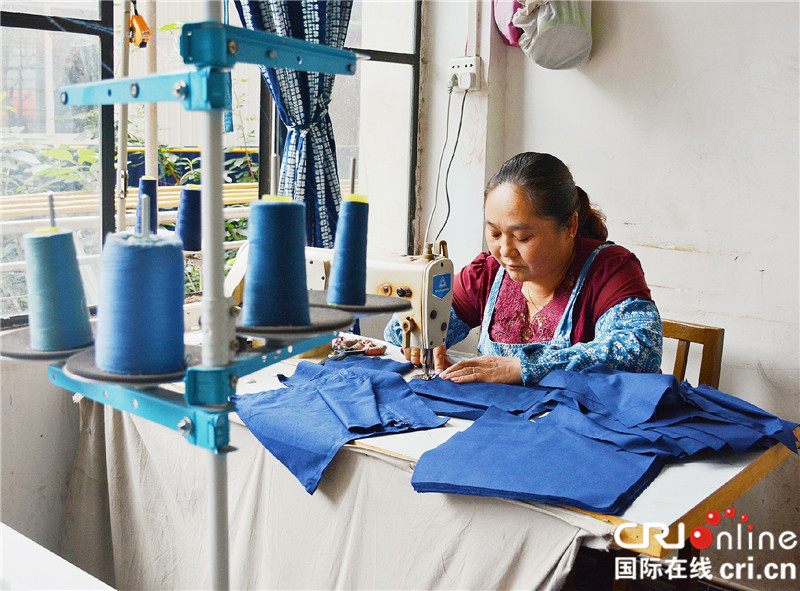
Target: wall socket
x=467 y=71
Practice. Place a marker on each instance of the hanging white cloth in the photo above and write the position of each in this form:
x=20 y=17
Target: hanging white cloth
x=556 y=34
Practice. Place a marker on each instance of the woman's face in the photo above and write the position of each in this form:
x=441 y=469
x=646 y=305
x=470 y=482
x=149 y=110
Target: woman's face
x=530 y=248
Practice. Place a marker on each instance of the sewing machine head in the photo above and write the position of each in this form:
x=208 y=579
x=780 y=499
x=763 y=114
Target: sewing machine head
x=425 y=280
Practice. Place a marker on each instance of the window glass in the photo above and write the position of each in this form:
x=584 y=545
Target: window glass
x=46 y=147
x=372 y=120
x=83 y=9
x=345 y=110
x=372 y=115
x=383 y=25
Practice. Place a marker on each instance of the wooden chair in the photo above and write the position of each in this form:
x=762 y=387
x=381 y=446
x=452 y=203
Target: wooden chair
x=711 y=339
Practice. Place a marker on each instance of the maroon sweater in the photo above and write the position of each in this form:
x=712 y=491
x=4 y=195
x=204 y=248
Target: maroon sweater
x=615 y=275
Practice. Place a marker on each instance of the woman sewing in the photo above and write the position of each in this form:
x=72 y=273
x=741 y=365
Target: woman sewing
x=550 y=293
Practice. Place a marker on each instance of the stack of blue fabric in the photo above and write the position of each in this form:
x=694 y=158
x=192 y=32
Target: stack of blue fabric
x=592 y=439
x=322 y=407
x=605 y=435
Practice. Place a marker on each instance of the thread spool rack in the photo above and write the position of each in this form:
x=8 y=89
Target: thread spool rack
x=201 y=415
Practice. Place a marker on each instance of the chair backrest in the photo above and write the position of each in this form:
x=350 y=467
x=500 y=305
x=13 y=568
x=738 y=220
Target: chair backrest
x=711 y=339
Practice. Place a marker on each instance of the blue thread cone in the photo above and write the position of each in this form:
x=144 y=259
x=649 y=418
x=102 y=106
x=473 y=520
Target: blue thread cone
x=140 y=309
x=347 y=285
x=57 y=313
x=275 y=290
x=187 y=226
x=147 y=186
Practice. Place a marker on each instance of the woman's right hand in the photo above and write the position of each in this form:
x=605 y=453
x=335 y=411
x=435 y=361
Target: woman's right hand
x=440 y=360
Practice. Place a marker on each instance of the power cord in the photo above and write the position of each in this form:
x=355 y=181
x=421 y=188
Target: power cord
x=450 y=164
x=450 y=85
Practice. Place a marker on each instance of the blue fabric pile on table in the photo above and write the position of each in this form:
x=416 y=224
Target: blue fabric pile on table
x=605 y=438
x=322 y=407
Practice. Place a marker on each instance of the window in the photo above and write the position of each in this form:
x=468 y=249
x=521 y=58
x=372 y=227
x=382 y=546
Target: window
x=374 y=115
x=46 y=147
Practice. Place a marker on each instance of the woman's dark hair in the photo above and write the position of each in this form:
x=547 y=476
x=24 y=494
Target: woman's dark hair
x=548 y=185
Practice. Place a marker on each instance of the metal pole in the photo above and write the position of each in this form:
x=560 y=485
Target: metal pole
x=215 y=308
x=218 y=517
x=265 y=134
x=151 y=109
x=144 y=211
x=122 y=139
x=274 y=159
x=215 y=312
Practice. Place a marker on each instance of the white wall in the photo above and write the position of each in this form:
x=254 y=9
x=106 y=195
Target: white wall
x=683 y=128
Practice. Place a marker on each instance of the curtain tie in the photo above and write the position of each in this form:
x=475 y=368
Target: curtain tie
x=304 y=128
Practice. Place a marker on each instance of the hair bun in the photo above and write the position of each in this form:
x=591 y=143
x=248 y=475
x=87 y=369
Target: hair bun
x=591 y=221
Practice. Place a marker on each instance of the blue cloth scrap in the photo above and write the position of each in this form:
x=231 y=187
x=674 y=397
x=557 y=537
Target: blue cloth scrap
x=631 y=398
x=470 y=400
x=319 y=409
x=371 y=362
x=507 y=456
x=565 y=417
x=736 y=410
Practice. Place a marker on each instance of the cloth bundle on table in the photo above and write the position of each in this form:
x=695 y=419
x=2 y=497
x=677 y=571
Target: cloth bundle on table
x=606 y=436
x=322 y=407
x=503 y=455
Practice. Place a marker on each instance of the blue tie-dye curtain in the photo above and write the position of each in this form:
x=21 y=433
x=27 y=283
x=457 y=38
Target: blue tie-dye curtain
x=308 y=167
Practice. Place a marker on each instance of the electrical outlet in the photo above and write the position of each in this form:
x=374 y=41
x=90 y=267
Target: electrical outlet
x=467 y=71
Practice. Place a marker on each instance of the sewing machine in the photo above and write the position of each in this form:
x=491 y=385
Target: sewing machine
x=425 y=280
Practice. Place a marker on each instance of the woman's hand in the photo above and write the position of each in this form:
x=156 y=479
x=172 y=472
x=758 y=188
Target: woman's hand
x=502 y=370
x=440 y=360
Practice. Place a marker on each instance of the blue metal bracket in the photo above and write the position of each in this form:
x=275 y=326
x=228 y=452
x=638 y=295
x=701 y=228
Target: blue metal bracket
x=202 y=90
x=222 y=46
x=204 y=427
x=213 y=386
x=213 y=48
x=201 y=416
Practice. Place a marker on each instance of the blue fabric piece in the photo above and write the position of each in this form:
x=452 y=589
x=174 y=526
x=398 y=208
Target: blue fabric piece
x=502 y=455
x=454 y=409
x=474 y=396
x=371 y=363
x=631 y=398
x=572 y=420
x=308 y=166
x=320 y=409
x=739 y=411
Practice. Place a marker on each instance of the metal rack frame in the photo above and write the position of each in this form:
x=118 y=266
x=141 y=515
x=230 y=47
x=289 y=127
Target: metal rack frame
x=202 y=415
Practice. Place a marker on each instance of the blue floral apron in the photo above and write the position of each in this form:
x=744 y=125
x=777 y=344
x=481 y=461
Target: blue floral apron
x=563 y=332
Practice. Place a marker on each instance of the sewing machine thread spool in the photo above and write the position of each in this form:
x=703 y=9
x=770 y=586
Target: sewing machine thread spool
x=147 y=186
x=275 y=290
x=57 y=313
x=348 y=280
x=140 y=308
x=187 y=226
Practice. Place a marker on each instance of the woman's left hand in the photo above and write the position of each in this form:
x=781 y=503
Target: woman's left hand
x=503 y=370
